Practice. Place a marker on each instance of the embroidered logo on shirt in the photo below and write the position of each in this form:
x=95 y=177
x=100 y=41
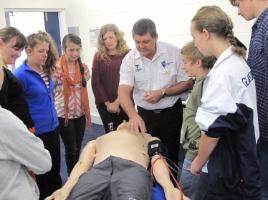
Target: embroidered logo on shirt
x=138 y=68
x=246 y=80
x=165 y=67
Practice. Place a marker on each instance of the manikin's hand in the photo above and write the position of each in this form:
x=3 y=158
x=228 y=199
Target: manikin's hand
x=58 y=195
x=152 y=96
x=174 y=194
x=112 y=107
x=136 y=124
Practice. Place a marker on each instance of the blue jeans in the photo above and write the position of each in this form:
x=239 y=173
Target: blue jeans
x=262 y=149
x=194 y=187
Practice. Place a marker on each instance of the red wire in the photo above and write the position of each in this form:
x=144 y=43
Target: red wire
x=166 y=164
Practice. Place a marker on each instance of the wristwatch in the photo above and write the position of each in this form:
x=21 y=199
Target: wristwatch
x=163 y=92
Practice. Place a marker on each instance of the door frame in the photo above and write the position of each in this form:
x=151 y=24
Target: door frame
x=61 y=15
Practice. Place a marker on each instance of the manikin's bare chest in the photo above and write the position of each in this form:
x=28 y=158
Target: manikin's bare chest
x=129 y=146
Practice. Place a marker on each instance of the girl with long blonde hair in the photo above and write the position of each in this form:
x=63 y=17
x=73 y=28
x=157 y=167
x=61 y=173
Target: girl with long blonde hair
x=112 y=48
x=227 y=115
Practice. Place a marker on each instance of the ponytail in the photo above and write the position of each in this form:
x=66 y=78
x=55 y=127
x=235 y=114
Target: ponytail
x=82 y=71
x=238 y=48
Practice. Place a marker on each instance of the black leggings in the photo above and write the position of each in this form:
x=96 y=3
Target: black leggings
x=72 y=136
x=50 y=181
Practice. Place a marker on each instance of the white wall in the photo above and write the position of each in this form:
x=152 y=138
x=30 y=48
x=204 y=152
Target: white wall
x=28 y=4
x=172 y=18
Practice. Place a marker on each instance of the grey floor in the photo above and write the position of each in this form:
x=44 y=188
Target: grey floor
x=90 y=134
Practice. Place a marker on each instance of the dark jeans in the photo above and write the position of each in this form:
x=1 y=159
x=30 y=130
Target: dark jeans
x=111 y=120
x=166 y=125
x=72 y=136
x=262 y=149
x=201 y=187
x=194 y=187
x=50 y=181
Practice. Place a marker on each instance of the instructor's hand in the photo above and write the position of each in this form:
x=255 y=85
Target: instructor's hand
x=136 y=124
x=152 y=96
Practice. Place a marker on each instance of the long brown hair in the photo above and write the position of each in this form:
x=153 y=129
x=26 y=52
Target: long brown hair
x=121 y=43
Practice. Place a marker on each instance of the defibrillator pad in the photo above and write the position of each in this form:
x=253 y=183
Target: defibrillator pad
x=155 y=147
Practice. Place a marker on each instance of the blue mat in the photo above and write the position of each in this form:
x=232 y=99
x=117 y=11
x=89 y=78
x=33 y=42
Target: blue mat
x=158 y=192
x=95 y=131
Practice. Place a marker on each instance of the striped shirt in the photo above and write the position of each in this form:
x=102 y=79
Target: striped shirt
x=45 y=78
x=258 y=62
x=74 y=106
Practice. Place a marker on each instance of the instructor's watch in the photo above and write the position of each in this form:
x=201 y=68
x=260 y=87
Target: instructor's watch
x=163 y=92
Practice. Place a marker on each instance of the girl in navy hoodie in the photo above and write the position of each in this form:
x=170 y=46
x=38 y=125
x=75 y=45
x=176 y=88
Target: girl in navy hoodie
x=227 y=115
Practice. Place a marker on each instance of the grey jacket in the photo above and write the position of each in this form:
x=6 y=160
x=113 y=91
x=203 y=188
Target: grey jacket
x=20 y=151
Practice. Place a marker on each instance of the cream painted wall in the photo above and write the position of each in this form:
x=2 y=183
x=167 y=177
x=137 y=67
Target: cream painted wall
x=172 y=18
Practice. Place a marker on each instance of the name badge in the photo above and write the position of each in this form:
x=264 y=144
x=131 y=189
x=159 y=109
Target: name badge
x=166 y=67
x=138 y=68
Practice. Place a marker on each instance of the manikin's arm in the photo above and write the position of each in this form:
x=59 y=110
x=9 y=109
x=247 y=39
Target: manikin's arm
x=206 y=146
x=84 y=163
x=161 y=174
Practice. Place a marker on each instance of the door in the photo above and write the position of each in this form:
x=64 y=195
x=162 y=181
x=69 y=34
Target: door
x=52 y=27
x=44 y=21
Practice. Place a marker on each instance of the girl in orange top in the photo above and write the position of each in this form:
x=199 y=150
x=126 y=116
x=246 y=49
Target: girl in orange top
x=71 y=98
